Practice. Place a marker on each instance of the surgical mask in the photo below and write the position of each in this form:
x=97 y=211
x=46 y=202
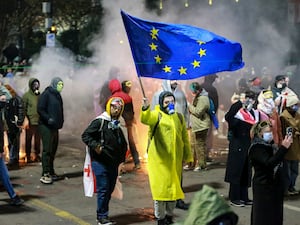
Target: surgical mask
x=268 y=136
x=171 y=108
x=295 y=108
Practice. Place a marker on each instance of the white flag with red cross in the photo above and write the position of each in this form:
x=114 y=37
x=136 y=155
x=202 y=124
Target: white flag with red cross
x=89 y=182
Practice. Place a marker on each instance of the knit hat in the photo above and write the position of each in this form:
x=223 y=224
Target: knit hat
x=291 y=100
x=55 y=81
x=279 y=78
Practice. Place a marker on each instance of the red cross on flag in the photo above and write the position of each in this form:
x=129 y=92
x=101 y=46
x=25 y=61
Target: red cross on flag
x=88 y=176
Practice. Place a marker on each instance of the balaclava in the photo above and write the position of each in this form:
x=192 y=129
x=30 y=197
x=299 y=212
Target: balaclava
x=35 y=86
x=54 y=83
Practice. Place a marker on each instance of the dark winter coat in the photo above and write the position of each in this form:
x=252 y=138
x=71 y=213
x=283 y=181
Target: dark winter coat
x=114 y=143
x=238 y=169
x=268 y=183
x=14 y=109
x=50 y=105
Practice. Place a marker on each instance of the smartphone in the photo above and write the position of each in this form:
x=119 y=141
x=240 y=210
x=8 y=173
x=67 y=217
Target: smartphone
x=289 y=131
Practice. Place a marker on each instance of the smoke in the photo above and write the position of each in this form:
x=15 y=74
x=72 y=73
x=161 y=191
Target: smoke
x=262 y=41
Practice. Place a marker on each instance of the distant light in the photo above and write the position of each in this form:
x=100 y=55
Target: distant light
x=121 y=42
x=160 y=5
x=236 y=0
x=210 y=2
x=186 y=4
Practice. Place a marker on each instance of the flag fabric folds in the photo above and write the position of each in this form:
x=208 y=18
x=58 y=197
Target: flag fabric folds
x=179 y=52
x=88 y=175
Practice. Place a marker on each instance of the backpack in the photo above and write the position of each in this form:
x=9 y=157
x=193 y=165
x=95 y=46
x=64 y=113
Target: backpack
x=212 y=113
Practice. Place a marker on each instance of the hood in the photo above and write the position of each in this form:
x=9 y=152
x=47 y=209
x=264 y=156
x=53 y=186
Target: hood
x=114 y=86
x=31 y=80
x=109 y=103
x=207 y=206
x=54 y=82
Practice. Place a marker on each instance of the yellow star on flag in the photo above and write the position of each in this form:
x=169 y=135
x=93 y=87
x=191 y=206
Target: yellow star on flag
x=182 y=70
x=196 y=63
x=201 y=42
x=157 y=59
x=153 y=47
x=167 y=69
x=202 y=52
x=154 y=33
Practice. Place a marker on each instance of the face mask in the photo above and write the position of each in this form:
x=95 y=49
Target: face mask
x=295 y=108
x=281 y=86
x=248 y=105
x=2 y=104
x=114 y=124
x=268 y=137
x=171 y=108
x=59 y=86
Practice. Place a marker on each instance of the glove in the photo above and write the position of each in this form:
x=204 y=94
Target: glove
x=98 y=149
x=50 y=121
x=145 y=103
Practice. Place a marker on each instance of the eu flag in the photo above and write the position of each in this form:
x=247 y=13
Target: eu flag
x=179 y=52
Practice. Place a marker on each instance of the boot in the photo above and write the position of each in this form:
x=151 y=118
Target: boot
x=161 y=222
x=169 y=220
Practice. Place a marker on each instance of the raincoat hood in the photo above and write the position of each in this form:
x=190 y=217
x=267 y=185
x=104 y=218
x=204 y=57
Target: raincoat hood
x=30 y=82
x=207 y=206
x=54 y=82
x=114 y=86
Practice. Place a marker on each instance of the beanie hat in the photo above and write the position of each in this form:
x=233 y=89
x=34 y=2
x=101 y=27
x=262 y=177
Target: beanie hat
x=162 y=97
x=55 y=81
x=195 y=86
x=291 y=100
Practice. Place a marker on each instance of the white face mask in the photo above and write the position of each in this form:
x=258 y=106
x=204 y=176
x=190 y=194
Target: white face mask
x=268 y=136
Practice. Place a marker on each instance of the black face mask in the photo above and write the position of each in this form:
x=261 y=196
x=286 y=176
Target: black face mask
x=2 y=104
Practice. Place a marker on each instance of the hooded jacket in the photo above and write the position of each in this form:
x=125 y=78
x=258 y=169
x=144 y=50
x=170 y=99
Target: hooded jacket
x=116 y=90
x=168 y=148
x=113 y=142
x=50 y=105
x=30 y=104
x=208 y=207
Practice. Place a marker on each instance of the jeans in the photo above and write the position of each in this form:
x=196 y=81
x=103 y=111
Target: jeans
x=106 y=177
x=14 y=146
x=291 y=168
x=163 y=208
x=50 y=143
x=4 y=176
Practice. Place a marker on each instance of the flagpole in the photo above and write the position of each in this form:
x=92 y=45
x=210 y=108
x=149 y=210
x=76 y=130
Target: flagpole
x=141 y=84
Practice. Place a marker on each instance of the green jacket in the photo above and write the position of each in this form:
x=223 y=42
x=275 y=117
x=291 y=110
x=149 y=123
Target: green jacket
x=208 y=206
x=30 y=104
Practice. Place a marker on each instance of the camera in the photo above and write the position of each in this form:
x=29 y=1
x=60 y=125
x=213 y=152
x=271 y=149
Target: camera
x=289 y=131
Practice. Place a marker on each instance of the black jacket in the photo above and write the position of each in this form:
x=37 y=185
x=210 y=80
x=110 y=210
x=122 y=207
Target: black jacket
x=114 y=143
x=50 y=105
x=14 y=114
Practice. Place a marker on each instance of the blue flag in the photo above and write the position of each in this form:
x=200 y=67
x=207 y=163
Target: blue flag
x=179 y=52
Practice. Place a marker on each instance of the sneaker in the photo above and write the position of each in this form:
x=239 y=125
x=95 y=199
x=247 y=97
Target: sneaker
x=187 y=167
x=16 y=201
x=180 y=204
x=248 y=202
x=237 y=203
x=46 y=179
x=55 y=177
x=200 y=168
x=137 y=167
x=292 y=191
x=105 y=221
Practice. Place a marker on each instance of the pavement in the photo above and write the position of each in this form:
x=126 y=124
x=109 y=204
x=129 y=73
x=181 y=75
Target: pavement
x=64 y=203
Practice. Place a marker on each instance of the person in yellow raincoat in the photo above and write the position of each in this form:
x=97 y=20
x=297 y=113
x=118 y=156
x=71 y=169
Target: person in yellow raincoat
x=169 y=147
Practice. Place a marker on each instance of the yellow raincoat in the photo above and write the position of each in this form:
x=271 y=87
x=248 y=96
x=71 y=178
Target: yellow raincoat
x=169 y=147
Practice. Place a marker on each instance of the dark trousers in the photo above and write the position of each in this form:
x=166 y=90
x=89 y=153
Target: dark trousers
x=238 y=192
x=30 y=132
x=132 y=146
x=50 y=143
x=14 y=146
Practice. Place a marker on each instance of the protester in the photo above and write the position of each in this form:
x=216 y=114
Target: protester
x=268 y=185
x=180 y=107
x=290 y=117
x=4 y=175
x=169 y=147
x=128 y=115
x=240 y=117
x=107 y=146
x=200 y=123
x=213 y=95
x=50 y=110
x=30 y=99
x=13 y=120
